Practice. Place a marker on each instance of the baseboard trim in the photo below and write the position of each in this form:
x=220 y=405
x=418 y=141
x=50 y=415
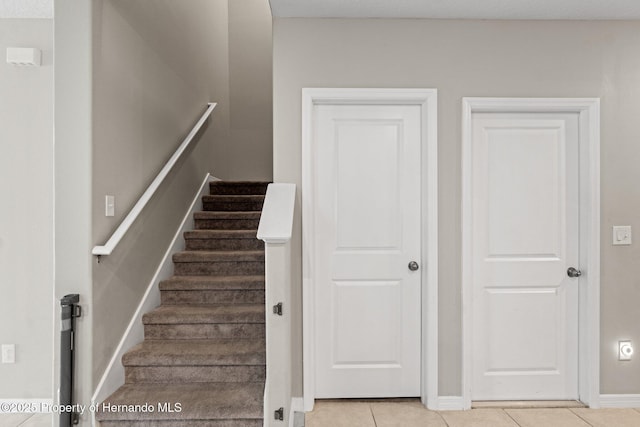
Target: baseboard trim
x=449 y=403
x=25 y=406
x=455 y=403
x=297 y=405
x=113 y=376
x=620 y=400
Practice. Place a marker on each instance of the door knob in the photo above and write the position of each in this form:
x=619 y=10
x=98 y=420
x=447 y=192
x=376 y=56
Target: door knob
x=572 y=272
x=413 y=266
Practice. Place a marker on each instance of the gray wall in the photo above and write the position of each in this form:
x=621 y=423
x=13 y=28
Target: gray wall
x=26 y=216
x=72 y=169
x=147 y=96
x=482 y=58
x=250 y=135
x=223 y=48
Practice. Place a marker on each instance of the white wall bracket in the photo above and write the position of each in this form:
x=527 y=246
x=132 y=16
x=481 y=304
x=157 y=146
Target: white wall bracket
x=24 y=56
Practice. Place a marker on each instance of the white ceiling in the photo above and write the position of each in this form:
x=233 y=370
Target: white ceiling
x=26 y=8
x=458 y=9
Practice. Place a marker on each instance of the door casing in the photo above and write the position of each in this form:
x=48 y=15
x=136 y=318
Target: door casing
x=588 y=110
x=427 y=100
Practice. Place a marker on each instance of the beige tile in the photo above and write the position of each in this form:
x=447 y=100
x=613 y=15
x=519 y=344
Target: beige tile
x=340 y=414
x=13 y=420
x=39 y=420
x=609 y=417
x=546 y=417
x=405 y=414
x=478 y=418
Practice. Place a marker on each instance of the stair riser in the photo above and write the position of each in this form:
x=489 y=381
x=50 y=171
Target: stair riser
x=200 y=286
x=194 y=374
x=224 y=244
x=212 y=297
x=237 y=189
x=228 y=268
x=232 y=206
x=204 y=331
x=187 y=423
x=226 y=224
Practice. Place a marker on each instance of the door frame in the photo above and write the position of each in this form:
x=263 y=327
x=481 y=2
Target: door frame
x=427 y=100
x=588 y=110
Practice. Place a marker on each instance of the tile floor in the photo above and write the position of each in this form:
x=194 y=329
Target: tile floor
x=26 y=420
x=411 y=413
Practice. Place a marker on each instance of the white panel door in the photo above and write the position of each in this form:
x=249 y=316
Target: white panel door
x=367 y=301
x=525 y=224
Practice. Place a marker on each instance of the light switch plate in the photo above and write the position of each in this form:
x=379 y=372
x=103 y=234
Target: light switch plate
x=8 y=353
x=621 y=234
x=109 y=205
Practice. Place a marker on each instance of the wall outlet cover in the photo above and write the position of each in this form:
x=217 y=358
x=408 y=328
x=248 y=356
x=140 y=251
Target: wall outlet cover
x=621 y=235
x=625 y=350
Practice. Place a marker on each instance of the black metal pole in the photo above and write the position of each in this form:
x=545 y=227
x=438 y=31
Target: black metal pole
x=70 y=310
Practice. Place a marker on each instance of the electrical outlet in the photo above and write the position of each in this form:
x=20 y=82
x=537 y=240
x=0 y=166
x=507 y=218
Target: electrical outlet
x=8 y=353
x=625 y=350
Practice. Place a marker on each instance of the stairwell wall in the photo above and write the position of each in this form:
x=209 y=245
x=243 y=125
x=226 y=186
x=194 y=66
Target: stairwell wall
x=26 y=216
x=151 y=83
x=249 y=143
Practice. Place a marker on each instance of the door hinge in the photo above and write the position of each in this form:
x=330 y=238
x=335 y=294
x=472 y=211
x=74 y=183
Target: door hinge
x=279 y=414
x=277 y=309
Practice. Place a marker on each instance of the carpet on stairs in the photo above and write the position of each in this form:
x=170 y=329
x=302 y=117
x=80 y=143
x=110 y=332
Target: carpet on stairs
x=202 y=361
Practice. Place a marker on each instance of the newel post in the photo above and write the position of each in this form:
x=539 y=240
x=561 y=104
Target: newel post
x=276 y=223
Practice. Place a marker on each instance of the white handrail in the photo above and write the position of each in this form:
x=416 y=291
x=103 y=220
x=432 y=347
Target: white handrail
x=124 y=226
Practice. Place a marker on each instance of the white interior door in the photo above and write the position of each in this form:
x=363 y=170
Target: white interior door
x=525 y=230
x=366 y=160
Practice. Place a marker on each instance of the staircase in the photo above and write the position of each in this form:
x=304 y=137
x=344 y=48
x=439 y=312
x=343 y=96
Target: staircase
x=202 y=362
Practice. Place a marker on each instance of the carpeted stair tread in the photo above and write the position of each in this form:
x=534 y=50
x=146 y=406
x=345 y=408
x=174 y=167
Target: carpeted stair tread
x=192 y=313
x=196 y=353
x=203 y=331
x=212 y=283
x=198 y=401
x=222 y=240
x=219 y=256
x=221 y=234
x=241 y=220
x=238 y=187
x=196 y=374
x=233 y=198
x=188 y=423
x=227 y=215
x=212 y=297
x=233 y=203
